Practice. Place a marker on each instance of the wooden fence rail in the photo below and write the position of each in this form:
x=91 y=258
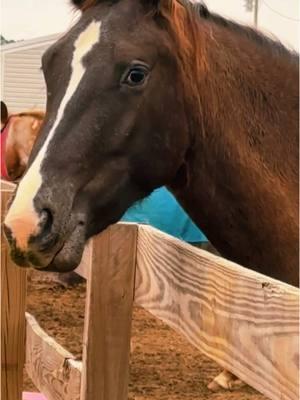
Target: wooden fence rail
x=246 y=322
x=13 y=293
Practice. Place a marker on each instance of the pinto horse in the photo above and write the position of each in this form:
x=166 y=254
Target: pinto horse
x=143 y=94
x=18 y=134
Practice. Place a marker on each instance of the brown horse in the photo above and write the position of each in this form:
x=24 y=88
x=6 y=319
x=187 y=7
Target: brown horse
x=18 y=135
x=149 y=93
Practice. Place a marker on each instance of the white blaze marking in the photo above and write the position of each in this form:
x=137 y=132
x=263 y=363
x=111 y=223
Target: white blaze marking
x=22 y=217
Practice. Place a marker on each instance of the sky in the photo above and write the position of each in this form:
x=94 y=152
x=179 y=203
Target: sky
x=27 y=19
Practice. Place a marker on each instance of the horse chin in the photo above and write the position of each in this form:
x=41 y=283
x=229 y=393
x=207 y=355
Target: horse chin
x=69 y=256
x=63 y=262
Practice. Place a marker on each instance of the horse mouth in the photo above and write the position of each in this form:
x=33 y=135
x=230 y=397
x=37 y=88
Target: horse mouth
x=68 y=257
x=65 y=257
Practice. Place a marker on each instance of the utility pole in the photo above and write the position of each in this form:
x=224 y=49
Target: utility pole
x=252 y=6
x=255 y=13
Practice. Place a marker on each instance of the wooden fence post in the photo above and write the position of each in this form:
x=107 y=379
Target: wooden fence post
x=13 y=293
x=110 y=291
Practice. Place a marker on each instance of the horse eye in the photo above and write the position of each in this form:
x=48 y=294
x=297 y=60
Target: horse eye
x=136 y=76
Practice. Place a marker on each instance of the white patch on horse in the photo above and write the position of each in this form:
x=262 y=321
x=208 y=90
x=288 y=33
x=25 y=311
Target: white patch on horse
x=22 y=218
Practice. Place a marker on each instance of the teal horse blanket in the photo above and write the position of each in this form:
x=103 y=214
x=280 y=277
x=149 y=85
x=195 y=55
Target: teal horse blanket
x=162 y=211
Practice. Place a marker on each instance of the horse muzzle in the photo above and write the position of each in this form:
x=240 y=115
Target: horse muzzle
x=36 y=241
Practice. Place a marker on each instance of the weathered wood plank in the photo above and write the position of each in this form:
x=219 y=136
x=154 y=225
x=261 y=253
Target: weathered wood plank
x=108 y=315
x=246 y=322
x=7 y=186
x=53 y=370
x=84 y=266
x=13 y=292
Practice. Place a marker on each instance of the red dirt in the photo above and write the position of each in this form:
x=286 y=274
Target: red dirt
x=163 y=364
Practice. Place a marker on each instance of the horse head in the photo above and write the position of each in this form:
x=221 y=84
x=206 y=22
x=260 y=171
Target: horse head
x=107 y=139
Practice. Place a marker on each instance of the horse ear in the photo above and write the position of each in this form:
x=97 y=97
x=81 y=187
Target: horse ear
x=83 y=4
x=4 y=112
x=78 y=3
x=153 y=3
x=157 y=5
x=161 y=3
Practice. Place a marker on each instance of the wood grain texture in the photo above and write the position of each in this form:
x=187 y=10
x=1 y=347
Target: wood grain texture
x=246 y=322
x=53 y=370
x=84 y=266
x=108 y=315
x=7 y=186
x=13 y=293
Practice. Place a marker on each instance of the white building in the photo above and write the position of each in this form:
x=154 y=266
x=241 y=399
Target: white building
x=22 y=81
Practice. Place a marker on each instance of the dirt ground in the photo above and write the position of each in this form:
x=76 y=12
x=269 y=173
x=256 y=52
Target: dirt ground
x=163 y=364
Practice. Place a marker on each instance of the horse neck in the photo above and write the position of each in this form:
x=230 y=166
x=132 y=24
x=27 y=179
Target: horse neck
x=242 y=169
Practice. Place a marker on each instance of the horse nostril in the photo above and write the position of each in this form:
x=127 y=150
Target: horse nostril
x=46 y=238
x=46 y=221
